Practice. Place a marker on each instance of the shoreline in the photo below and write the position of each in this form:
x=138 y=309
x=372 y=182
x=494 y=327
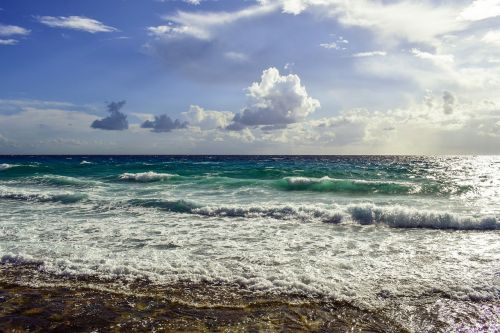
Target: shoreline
x=34 y=301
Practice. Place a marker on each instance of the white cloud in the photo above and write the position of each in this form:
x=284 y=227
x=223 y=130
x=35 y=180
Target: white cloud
x=8 y=41
x=492 y=37
x=202 y=25
x=276 y=100
x=207 y=119
x=236 y=56
x=75 y=22
x=331 y=45
x=338 y=44
x=438 y=59
x=369 y=54
x=390 y=20
x=11 y=30
x=480 y=10
x=170 y=31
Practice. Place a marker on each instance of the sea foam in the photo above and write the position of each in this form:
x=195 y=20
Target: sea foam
x=149 y=176
x=41 y=196
x=394 y=217
x=5 y=166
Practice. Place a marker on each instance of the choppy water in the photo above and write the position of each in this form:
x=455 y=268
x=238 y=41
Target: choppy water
x=367 y=230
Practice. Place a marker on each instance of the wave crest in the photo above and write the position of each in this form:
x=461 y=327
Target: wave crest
x=64 y=197
x=327 y=184
x=149 y=176
x=64 y=180
x=408 y=218
x=394 y=217
x=5 y=166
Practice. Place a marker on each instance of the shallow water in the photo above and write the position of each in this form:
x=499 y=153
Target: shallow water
x=390 y=233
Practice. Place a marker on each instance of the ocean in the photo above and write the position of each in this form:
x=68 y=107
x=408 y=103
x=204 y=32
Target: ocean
x=416 y=239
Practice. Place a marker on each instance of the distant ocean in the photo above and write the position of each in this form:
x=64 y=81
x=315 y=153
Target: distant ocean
x=386 y=233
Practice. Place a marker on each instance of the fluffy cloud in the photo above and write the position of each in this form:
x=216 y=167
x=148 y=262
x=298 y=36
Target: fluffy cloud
x=115 y=121
x=207 y=119
x=275 y=100
x=75 y=22
x=163 y=123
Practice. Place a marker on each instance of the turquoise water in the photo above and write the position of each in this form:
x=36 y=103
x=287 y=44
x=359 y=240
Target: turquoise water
x=426 y=192
x=351 y=228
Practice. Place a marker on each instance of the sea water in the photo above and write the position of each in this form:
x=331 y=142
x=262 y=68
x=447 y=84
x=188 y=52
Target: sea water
x=372 y=231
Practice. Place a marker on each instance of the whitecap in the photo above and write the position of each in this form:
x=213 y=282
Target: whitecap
x=149 y=176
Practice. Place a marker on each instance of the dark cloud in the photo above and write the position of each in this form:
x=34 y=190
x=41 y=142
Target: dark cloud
x=163 y=123
x=448 y=102
x=275 y=127
x=116 y=121
x=236 y=126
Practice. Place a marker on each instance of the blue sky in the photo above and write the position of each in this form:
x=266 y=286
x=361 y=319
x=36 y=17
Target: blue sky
x=269 y=76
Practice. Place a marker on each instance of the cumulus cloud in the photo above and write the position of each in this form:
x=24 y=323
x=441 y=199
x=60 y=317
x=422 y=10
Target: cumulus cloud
x=11 y=30
x=275 y=100
x=448 y=102
x=207 y=119
x=116 y=120
x=163 y=123
x=75 y=22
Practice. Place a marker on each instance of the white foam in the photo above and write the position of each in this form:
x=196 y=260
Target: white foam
x=40 y=196
x=5 y=166
x=146 y=176
x=307 y=180
x=402 y=217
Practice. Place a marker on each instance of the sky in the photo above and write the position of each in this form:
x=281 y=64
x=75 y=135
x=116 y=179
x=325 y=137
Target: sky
x=249 y=77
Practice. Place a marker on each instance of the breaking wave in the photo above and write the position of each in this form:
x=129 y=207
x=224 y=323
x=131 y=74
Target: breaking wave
x=146 y=176
x=394 y=217
x=62 y=197
x=400 y=217
x=64 y=181
x=358 y=186
x=5 y=166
